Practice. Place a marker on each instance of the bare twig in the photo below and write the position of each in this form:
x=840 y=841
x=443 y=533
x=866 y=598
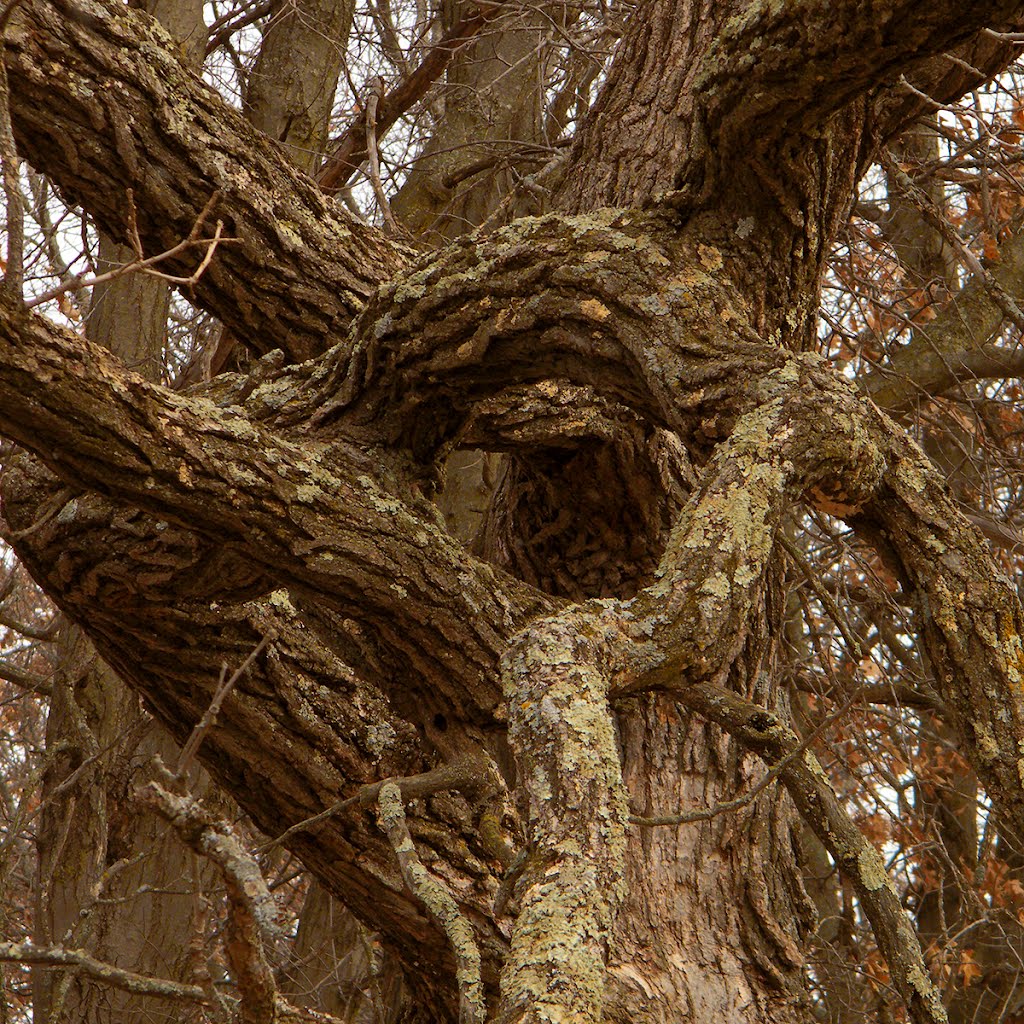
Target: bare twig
x=80 y=281
x=251 y=908
x=349 y=150
x=116 y=977
x=373 y=157
x=203 y=726
x=466 y=774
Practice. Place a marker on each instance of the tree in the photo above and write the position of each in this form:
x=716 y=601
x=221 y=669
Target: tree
x=617 y=643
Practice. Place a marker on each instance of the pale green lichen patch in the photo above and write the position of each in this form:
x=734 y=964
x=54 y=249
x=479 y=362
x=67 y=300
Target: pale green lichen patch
x=986 y=741
x=281 y=600
x=871 y=868
x=289 y=236
x=308 y=494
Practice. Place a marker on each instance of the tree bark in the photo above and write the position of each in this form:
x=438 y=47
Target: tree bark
x=293 y=502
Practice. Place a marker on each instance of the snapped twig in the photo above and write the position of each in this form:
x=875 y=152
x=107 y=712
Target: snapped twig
x=224 y=687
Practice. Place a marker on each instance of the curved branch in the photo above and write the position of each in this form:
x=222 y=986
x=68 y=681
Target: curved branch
x=777 y=71
x=311 y=517
x=438 y=901
x=615 y=300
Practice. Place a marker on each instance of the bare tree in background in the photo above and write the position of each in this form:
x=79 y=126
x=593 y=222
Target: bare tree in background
x=711 y=705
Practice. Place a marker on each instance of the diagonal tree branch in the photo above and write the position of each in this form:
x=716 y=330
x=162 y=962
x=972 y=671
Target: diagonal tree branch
x=301 y=727
x=310 y=517
x=349 y=149
x=101 y=103
x=806 y=781
x=786 y=69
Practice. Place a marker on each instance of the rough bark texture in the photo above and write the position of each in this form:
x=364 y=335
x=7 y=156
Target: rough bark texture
x=293 y=502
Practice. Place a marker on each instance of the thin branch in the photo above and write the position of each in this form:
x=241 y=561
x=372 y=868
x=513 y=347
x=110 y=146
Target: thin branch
x=116 y=977
x=438 y=901
x=466 y=774
x=805 y=780
x=203 y=726
x=129 y=981
x=80 y=281
x=224 y=27
x=29 y=681
x=373 y=157
x=852 y=643
x=251 y=907
x=349 y=150
x=706 y=813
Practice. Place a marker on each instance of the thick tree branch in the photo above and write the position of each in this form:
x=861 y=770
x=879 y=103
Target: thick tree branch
x=573 y=878
x=101 y=103
x=312 y=518
x=777 y=71
x=615 y=300
x=300 y=727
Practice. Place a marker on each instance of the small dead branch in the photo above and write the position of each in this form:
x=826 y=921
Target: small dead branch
x=472 y=775
x=136 y=984
x=203 y=726
x=438 y=901
x=147 y=266
x=251 y=907
x=116 y=977
x=374 y=158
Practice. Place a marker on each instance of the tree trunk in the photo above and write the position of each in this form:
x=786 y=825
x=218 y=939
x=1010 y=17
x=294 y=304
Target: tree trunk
x=650 y=371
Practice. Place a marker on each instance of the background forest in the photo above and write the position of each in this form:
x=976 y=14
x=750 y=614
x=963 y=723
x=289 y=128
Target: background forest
x=428 y=122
